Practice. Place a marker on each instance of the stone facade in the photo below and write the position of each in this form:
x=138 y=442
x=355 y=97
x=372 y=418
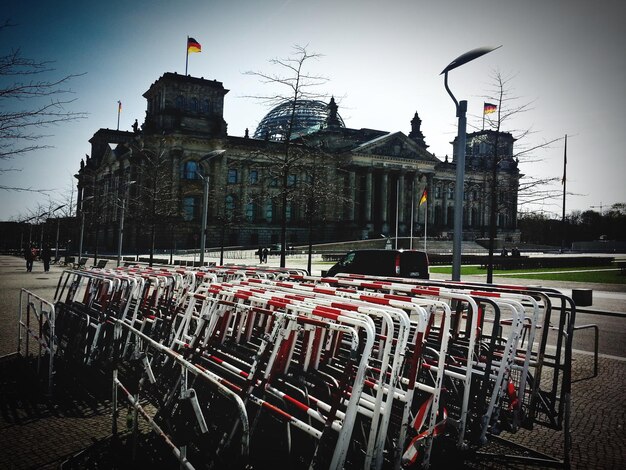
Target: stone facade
x=335 y=183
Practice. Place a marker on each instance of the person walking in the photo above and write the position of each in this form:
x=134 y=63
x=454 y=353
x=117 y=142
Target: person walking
x=46 y=254
x=29 y=256
x=265 y=253
x=259 y=253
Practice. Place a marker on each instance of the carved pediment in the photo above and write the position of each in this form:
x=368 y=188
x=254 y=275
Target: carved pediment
x=395 y=145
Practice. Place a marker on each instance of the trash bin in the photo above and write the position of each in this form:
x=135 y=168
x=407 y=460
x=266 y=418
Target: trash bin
x=582 y=297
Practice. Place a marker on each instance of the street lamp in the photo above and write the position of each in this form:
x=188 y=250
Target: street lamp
x=82 y=226
x=461 y=109
x=56 y=250
x=121 y=231
x=205 y=201
x=43 y=224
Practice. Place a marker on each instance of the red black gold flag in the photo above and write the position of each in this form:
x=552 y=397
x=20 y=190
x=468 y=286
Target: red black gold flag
x=193 y=45
x=489 y=108
x=424 y=197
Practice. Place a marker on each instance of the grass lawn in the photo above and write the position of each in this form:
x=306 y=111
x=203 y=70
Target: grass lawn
x=606 y=275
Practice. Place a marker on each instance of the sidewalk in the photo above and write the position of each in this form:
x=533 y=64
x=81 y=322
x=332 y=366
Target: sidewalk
x=36 y=433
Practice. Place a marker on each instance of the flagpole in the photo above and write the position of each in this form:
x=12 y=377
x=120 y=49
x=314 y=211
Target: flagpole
x=186 y=55
x=397 y=208
x=119 y=111
x=483 y=116
x=564 y=181
x=412 y=213
x=425 y=222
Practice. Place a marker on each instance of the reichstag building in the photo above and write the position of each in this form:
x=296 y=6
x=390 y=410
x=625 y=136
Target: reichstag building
x=327 y=181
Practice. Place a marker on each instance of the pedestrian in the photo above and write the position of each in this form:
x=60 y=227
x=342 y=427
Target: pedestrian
x=46 y=254
x=29 y=256
x=259 y=253
x=265 y=253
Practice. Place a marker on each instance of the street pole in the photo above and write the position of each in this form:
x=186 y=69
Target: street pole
x=205 y=206
x=121 y=234
x=82 y=230
x=205 y=201
x=56 y=246
x=56 y=251
x=458 y=192
x=461 y=110
x=121 y=230
x=82 y=225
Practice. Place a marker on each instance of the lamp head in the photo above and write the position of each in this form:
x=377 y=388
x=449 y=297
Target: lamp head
x=468 y=57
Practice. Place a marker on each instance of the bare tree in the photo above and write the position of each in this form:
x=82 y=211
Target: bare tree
x=530 y=188
x=156 y=202
x=299 y=85
x=30 y=102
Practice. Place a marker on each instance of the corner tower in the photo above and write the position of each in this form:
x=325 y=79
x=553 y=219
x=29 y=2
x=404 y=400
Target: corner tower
x=179 y=103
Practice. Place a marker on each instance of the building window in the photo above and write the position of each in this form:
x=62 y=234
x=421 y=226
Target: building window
x=289 y=212
x=451 y=192
x=250 y=211
x=254 y=176
x=232 y=175
x=437 y=192
x=206 y=107
x=189 y=170
x=180 y=102
x=190 y=208
x=269 y=211
x=291 y=181
x=193 y=105
x=229 y=206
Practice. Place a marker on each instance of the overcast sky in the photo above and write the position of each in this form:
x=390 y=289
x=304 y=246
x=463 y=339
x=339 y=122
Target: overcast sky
x=383 y=60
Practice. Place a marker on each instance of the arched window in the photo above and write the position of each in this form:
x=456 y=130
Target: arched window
x=193 y=105
x=180 y=102
x=189 y=170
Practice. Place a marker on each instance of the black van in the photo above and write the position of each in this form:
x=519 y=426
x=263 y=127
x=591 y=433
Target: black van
x=390 y=263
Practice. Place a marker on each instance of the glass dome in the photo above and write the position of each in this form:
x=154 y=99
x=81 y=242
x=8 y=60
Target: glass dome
x=310 y=117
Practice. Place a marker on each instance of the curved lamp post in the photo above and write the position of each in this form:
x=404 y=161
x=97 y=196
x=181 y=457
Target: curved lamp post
x=205 y=201
x=56 y=246
x=461 y=109
x=82 y=225
x=121 y=228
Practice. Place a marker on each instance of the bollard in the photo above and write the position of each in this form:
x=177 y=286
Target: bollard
x=582 y=297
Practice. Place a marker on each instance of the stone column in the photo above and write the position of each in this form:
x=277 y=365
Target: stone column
x=352 y=192
x=384 y=200
x=401 y=199
x=368 y=197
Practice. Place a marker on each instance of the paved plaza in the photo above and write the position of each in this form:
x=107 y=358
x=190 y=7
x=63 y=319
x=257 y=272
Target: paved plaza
x=36 y=433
